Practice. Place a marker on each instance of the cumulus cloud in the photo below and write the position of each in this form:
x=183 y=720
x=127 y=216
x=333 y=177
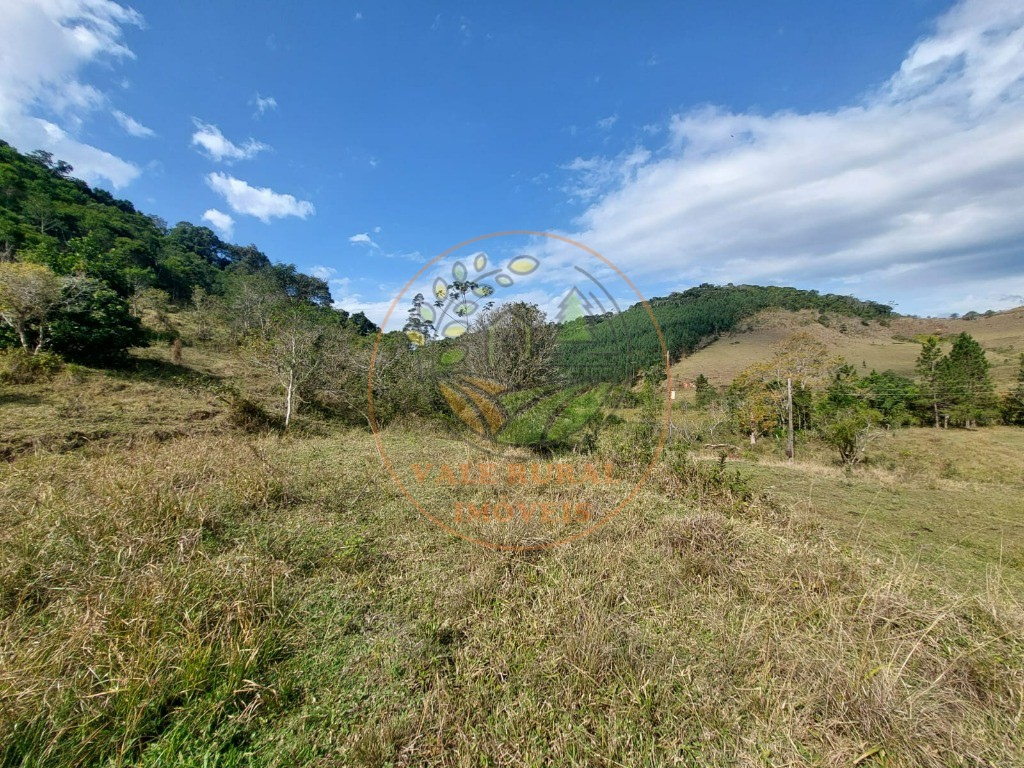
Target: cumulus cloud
x=221 y=221
x=43 y=103
x=131 y=126
x=219 y=148
x=915 y=192
x=264 y=104
x=363 y=238
x=262 y=202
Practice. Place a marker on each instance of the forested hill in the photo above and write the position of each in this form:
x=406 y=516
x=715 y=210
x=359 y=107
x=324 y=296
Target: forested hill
x=617 y=347
x=50 y=218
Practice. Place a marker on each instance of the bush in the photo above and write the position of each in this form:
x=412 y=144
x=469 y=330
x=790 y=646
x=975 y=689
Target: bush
x=96 y=326
x=20 y=367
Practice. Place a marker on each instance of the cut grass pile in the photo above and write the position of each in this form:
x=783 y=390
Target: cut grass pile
x=229 y=601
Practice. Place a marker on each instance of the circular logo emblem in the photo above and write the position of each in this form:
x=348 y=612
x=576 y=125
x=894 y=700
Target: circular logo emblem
x=518 y=343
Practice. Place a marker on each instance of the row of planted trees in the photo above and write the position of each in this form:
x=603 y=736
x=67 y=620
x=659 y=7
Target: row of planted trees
x=831 y=398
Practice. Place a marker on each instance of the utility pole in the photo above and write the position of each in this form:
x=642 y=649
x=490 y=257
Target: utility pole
x=789 y=397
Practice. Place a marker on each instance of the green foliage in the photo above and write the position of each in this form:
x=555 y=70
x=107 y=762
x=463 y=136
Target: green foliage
x=965 y=379
x=705 y=393
x=94 y=324
x=59 y=222
x=927 y=369
x=1012 y=405
x=892 y=396
x=848 y=429
x=18 y=366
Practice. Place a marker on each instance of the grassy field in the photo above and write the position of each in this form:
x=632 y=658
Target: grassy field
x=212 y=598
x=948 y=502
x=871 y=346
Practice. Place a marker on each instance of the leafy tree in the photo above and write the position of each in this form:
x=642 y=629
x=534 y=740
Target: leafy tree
x=892 y=396
x=292 y=349
x=755 y=403
x=28 y=295
x=849 y=429
x=94 y=324
x=512 y=344
x=758 y=395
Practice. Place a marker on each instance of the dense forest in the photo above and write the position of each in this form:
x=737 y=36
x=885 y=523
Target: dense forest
x=618 y=347
x=110 y=259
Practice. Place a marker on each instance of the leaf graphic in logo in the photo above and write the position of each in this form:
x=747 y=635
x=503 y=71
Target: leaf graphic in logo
x=480 y=262
x=416 y=338
x=452 y=356
x=483 y=290
x=427 y=313
x=491 y=386
x=466 y=308
x=504 y=281
x=474 y=401
x=453 y=330
x=523 y=265
x=440 y=288
x=459 y=271
x=463 y=408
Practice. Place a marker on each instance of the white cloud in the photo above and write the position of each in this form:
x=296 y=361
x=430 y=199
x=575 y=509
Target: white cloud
x=222 y=221
x=324 y=273
x=594 y=176
x=131 y=126
x=264 y=104
x=45 y=44
x=363 y=238
x=915 y=192
x=352 y=302
x=607 y=122
x=217 y=147
x=261 y=202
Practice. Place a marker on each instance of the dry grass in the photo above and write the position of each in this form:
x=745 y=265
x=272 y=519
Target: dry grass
x=224 y=601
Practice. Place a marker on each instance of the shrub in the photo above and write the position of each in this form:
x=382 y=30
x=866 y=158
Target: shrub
x=20 y=367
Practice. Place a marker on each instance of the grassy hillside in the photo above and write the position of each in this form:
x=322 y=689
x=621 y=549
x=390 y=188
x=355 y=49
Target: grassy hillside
x=200 y=596
x=617 y=347
x=946 y=501
x=881 y=345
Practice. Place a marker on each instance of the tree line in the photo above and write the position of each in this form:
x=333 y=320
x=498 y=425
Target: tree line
x=833 y=400
x=78 y=267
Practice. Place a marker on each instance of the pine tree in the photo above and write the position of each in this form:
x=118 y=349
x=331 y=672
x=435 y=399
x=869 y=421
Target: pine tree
x=965 y=380
x=705 y=393
x=928 y=375
x=1013 y=402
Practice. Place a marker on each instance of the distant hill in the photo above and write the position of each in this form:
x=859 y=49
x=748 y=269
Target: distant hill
x=618 y=347
x=890 y=343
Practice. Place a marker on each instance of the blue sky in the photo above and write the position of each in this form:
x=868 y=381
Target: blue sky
x=873 y=148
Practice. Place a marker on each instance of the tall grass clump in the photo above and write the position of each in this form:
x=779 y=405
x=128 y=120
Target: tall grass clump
x=129 y=611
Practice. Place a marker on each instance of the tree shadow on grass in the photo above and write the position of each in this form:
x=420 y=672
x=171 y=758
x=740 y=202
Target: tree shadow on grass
x=19 y=398
x=164 y=372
